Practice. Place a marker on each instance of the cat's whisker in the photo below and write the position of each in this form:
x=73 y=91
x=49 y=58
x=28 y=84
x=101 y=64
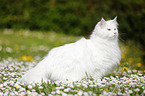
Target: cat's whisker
x=121 y=39
x=120 y=35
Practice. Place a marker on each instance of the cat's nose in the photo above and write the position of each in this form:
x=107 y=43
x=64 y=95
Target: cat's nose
x=114 y=32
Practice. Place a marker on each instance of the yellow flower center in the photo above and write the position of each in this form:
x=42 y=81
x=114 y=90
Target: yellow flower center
x=138 y=64
x=124 y=68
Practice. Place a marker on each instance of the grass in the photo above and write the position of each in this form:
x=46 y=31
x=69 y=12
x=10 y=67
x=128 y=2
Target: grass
x=23 y=42
x=23 y=49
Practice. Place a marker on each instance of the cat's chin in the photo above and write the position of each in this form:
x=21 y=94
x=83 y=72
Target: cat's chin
x=113 y=37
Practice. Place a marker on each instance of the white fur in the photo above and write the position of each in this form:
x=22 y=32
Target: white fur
x=95 y=56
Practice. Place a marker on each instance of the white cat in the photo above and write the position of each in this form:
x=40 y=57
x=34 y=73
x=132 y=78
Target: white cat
x=95 y=56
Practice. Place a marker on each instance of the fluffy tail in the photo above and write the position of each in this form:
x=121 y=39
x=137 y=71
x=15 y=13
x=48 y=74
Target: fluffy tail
x=34 y=75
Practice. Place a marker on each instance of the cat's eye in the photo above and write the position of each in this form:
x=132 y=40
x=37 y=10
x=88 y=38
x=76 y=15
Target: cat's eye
x=114 y=28
x=109 y=29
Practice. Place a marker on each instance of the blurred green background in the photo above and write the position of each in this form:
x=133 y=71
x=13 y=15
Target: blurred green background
x=75 y=17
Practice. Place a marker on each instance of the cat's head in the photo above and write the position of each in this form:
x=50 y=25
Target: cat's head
x=106 y=29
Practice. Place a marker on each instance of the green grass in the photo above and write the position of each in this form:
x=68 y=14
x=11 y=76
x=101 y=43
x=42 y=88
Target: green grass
x=28 y=43
x=23 y=49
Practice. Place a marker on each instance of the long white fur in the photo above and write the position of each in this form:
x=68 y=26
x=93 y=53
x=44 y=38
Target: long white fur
x=95 y=56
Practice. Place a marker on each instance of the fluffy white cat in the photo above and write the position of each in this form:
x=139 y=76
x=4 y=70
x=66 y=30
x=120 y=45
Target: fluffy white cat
x=95 y=56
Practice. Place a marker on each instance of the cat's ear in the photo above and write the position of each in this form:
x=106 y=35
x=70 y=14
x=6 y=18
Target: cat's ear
x=115 y=20
x=102 y=22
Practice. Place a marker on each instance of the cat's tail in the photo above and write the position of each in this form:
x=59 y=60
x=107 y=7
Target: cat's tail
x=35 y=75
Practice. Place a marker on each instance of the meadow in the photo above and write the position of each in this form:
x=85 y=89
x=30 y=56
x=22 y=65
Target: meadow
x=21 y=50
